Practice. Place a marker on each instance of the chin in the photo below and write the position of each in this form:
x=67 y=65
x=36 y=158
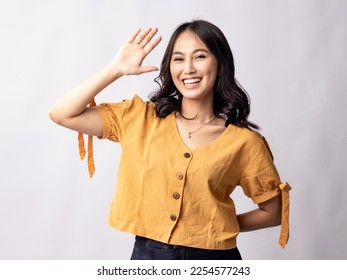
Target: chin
x=194 y=95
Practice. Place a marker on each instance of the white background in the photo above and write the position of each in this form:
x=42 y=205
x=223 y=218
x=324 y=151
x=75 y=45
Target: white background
x=289 y=55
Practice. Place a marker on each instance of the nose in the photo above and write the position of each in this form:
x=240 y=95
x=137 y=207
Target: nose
x=189 y=67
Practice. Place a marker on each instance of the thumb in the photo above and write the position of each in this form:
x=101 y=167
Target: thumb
x=146 y=69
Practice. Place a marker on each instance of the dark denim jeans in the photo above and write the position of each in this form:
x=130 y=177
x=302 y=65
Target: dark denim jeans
x=147 y=249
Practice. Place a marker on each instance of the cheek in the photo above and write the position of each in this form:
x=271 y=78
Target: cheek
x=213 y=72
x=173 y=71
x=174 y=74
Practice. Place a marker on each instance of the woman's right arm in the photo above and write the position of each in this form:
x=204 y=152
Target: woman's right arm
x=71 y=110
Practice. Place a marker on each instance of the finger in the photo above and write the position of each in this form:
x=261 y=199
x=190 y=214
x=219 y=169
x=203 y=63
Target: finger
x=132 y=38
x=141 y=36
x=151 y=46
x=149 y=36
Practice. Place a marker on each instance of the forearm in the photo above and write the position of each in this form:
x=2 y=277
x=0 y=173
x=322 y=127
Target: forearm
x=267 y=215
x=71 y=110
x=76 y=101
x=254 y=220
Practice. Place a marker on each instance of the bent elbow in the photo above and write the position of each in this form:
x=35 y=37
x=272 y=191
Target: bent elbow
x=278 y=220
x=54 y=115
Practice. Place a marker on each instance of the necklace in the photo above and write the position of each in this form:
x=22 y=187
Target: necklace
x=189 y=135
x=189 y=119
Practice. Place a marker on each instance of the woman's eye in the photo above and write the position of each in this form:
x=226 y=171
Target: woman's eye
x=178 y=59
x=200 y=56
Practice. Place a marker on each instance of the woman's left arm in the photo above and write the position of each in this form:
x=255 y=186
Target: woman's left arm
x=268 y=214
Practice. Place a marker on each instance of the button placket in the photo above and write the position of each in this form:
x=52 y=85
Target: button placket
x=181 y=178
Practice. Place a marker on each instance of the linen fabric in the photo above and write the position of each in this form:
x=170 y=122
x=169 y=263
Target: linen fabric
x=171 y=194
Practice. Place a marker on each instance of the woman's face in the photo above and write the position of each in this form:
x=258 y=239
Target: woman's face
x=193 y=67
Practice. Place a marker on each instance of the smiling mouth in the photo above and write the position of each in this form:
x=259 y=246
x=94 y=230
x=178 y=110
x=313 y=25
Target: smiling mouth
x=191 y=81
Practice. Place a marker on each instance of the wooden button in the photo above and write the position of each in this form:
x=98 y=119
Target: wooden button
x=186 y=155
x=176 y=195
x=173 y=217
x=179 y=175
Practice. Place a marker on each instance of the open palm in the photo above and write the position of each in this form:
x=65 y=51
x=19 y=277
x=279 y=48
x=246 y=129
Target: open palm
x=132 y=53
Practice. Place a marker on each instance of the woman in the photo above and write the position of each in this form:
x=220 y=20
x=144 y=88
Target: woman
x=184 y=151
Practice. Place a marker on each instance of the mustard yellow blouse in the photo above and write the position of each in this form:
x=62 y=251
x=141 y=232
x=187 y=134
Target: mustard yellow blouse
x=172 y=194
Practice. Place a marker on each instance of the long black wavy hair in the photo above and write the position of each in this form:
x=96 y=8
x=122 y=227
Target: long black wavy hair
x=230 y=100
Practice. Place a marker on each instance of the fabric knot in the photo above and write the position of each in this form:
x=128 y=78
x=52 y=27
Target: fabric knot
x=285 y=187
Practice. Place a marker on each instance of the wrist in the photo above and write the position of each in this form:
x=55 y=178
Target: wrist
x=113 y=72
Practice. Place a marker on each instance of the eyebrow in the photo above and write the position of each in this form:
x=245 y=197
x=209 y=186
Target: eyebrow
x=195 y=51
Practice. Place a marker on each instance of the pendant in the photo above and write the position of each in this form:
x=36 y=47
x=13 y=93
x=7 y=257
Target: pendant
x=189 y=135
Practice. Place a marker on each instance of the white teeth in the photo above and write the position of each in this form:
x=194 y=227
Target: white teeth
x=192 y=81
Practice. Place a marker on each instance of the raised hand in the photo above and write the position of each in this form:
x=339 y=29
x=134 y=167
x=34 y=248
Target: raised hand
x=70 y=111
x=128 y=60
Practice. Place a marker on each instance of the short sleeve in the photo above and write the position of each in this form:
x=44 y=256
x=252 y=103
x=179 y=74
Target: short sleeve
x=260 y=180
x=115 y=117
x=111 y=115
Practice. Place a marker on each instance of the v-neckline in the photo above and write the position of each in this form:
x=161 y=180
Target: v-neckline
x=179 y=136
